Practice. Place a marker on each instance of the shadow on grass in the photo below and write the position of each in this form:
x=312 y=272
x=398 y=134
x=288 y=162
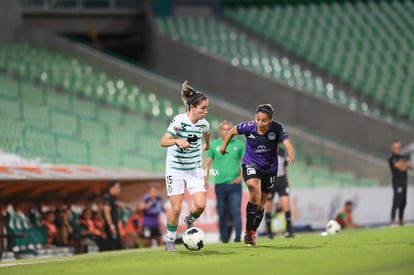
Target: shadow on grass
x=207 y=252
x=287 y=247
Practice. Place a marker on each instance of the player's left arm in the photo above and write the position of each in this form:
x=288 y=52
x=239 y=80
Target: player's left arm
x=290 y=150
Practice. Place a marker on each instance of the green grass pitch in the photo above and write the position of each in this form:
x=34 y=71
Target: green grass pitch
x=365 y=251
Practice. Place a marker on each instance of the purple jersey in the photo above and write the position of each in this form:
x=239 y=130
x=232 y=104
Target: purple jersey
x=151 y=214
x=261 y=150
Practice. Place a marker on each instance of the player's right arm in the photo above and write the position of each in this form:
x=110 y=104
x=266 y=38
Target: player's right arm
x=290 y=150
x=168 y=140
x=108 y=218
x=230 y=134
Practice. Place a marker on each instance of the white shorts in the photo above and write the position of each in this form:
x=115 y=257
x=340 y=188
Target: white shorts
x=176 y=181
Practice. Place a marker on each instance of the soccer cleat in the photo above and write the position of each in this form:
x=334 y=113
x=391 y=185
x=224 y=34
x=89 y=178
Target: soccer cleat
x=289 y=234
x=170 y=246
x=188 y=223
x=250 y=238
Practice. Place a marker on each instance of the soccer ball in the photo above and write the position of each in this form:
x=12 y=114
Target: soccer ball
x=194 y=238
x=333 y=227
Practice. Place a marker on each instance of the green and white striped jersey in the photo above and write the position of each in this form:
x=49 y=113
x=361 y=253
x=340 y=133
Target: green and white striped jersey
x=190 y=158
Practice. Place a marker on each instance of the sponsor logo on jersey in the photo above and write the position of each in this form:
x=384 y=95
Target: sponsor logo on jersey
x=261 y=149
x=251 y=136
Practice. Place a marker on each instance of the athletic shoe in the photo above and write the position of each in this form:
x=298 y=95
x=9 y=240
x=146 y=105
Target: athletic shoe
x=170 y=247
x=250 y=238
x=188 y=223
x=289 y=235
x=270 y=236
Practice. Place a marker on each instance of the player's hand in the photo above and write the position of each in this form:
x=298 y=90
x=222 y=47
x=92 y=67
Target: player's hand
x=237 y=181
x=182 y=144
x=223 y=150
x=291 y=159
x=206 y=146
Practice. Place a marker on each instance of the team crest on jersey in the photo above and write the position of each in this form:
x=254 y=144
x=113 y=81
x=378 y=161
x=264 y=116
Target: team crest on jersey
x=271 y=136
x=202 y=128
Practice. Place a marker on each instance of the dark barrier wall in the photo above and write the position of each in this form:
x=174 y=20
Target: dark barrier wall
x=10 y=20
x=250 y=89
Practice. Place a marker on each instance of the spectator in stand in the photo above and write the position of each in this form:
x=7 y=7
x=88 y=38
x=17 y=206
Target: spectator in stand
x=133 y=230
x=98 y=222
x=89 y=233
x=65 y=230
x=344 y=217
x=151 y=207
x=48 y=225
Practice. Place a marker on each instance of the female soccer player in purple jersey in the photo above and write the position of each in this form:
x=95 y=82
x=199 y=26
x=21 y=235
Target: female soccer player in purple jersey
x=259 y=162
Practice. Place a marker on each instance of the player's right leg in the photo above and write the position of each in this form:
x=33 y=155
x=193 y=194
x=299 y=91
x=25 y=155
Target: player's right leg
x=252 y=180
x=175 y=192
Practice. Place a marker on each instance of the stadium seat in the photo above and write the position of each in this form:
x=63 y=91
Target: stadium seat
x=90 y=117
x=365 y=44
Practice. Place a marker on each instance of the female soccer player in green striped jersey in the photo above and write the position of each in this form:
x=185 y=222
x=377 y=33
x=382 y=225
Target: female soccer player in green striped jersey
x=184 y=139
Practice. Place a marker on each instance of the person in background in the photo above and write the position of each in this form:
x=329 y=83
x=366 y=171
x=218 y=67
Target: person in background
x=133 y=230
x=399 y=164
x=184 y=163
x=110 y=215
x=98 y=222
x=344 y=217
x=151 y=207
x=228 y=176
x=65 y=230
x=283 y=190
x=89 y=233
x=260 y=162
x=48 y=225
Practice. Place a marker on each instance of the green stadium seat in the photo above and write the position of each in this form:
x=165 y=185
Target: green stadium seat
x=359 y=42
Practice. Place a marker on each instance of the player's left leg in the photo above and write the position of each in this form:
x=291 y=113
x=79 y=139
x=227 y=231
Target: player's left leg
x=266 y=186
x=196 y=188
x=285 y=201
x=403 y=203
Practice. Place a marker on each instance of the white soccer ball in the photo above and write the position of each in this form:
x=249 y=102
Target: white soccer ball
x=194 y=238
x=333 y=227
